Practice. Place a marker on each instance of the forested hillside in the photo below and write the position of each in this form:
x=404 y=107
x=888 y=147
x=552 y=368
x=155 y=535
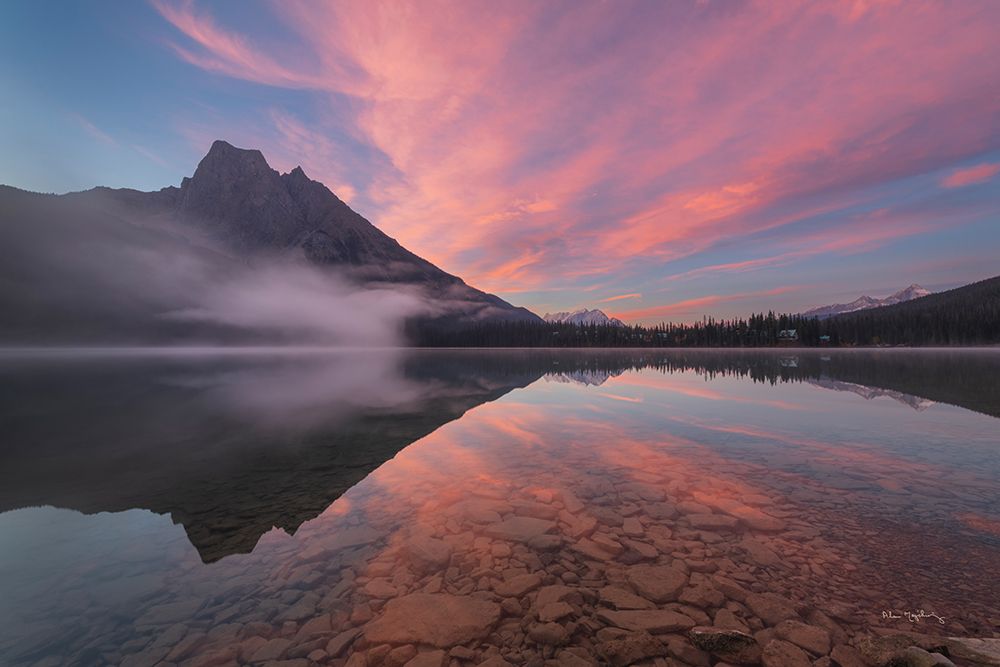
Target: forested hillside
x=968 y=315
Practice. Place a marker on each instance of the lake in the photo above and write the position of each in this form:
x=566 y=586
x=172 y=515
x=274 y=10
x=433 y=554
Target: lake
x=522 y=507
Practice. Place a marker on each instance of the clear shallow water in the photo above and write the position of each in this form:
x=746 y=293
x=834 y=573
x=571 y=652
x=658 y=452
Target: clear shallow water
x=248 y=509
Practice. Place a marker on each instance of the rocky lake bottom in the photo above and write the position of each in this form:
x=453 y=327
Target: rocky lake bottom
x=704 y=509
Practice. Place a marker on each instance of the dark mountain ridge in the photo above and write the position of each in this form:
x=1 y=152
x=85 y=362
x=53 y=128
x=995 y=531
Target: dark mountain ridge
x=106 y=264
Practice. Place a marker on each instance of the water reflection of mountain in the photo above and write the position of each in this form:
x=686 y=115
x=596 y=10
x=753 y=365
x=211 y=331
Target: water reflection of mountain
x=590 y=378
x=230 y=446
x=869 y=393
x=964 y=377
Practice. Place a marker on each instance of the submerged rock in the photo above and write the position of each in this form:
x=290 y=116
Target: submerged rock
x=548 y=634
x=554 y=611
x=771 y=607
x=656 y=621
x=427 y=659
x=723 y=642
x=984 y=650
x=779 y=653
x=915 y=656
x=631 y=648
x=658 y=583
x=888 y=650
x=619 y=598
x=428 y=554
x=813 y=639
x=519 y=528
x=439 y=620
x=518 y=586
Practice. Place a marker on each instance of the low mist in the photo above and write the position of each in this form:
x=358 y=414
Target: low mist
x=88 y=270
x=297 y=302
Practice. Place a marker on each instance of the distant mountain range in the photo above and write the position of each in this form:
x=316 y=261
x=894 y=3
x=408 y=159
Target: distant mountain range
x=122 y=265
x=914 y=291
x=583 y=316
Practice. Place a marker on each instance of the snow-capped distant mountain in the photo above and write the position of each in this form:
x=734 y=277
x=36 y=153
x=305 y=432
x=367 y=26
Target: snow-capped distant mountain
x=583 y=316
x=868 y=393
x=914 y=291
x=585 y=377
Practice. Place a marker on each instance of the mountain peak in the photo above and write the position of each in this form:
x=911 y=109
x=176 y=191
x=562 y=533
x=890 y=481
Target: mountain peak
x=583 y=316
x=914 y=291
x=224 y=157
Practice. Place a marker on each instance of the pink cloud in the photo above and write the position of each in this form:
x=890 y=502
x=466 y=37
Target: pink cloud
x=516 y=153
x=978 y=174
x=620 y=297
x=694 y=308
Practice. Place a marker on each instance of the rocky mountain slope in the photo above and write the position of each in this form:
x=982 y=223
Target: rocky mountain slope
x=120 y=265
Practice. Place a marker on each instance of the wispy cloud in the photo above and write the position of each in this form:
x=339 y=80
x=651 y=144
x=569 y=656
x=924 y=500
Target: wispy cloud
x=94 y=131
x=515 y=153
x=620 y=297
x=978 y=174
x=150 y=155
x=696 y=307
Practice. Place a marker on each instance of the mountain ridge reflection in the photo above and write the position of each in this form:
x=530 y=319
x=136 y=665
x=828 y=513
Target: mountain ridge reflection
x=232 y=446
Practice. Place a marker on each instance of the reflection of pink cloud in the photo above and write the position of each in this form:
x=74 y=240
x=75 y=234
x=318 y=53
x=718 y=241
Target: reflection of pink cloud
x=617 y=397
x=515 y=152
x=977 y=174
x=681 y=385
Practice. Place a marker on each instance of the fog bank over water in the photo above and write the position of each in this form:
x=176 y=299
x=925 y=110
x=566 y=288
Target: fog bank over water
x=301 y=303
x=85 y=269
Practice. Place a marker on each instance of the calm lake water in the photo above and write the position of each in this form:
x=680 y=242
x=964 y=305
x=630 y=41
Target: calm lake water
x=470 y=507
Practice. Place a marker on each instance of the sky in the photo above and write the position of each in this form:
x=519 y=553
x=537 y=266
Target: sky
x=660 y=161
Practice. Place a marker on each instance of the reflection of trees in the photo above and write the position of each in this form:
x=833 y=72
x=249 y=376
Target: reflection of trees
x=967 y=378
